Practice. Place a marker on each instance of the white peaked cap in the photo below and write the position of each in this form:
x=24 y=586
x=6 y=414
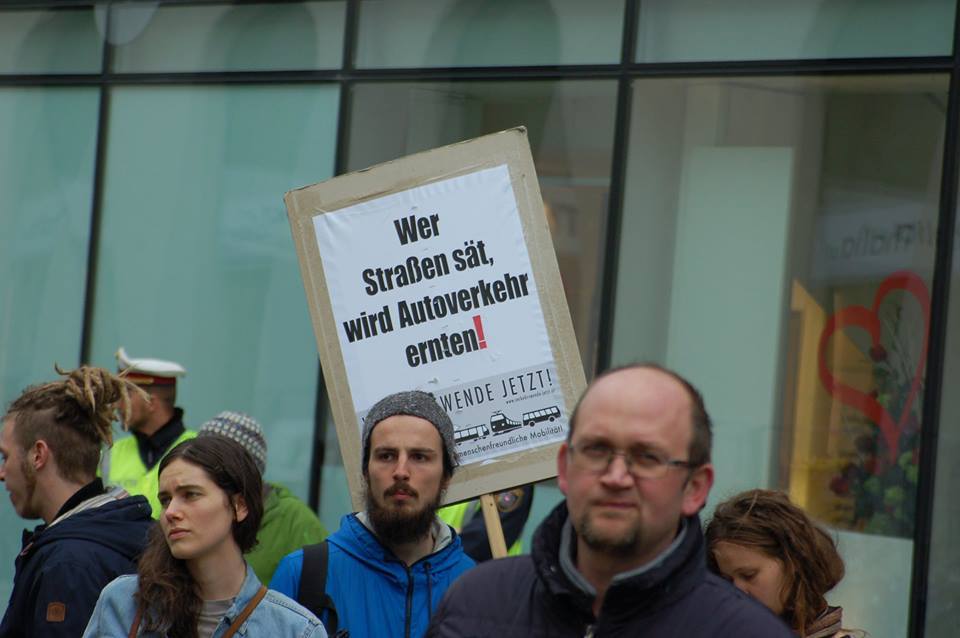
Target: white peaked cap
x=140 y=369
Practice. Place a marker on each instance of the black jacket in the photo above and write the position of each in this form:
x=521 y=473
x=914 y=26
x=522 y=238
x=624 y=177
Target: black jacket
x=63 y=566
x=531 y=596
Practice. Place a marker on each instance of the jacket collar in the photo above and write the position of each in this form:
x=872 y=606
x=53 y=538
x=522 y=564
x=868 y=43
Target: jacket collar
x=249 y=589
x=94 y=488
x=355 y=538
x=680 y=568
x=96 y=500
x=568 y=550
x=153 y=448
x=110 y=524
x=442 y=533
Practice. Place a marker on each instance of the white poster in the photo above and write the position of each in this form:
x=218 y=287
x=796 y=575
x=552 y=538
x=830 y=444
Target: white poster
x=431 y=288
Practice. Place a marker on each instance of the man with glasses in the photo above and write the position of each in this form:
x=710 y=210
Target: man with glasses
x=624 y=554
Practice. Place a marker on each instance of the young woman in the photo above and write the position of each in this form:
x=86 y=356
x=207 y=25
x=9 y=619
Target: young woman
x=192 y=580
x=770 y=549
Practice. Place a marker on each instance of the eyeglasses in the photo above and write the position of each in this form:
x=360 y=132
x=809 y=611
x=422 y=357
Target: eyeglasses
x=597 y=458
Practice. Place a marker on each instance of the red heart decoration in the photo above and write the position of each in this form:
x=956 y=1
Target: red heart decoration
x=867 y=319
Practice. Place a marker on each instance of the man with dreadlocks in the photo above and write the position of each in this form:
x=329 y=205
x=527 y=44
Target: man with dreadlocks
x=50 y=443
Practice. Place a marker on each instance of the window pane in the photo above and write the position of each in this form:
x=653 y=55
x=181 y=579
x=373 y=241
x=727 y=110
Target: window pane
x=335 y=491
x=196 y=259
x=246 y=37
x=570 y=124
x=943 y=590
x=63 y=41
x=777 y=248
x=703 y=30
x=46 y=178
x=447 y=33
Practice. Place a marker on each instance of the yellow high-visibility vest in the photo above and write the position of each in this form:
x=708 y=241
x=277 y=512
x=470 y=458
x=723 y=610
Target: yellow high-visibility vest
x=455 y=516
x=128 y=471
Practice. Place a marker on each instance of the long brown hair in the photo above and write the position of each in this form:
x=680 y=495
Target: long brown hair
x=73 y=416
x=767 y=521
x=168 y=598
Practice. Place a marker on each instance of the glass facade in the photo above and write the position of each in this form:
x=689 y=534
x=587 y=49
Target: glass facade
x=196 y=259
x=782 y=229
x=46 y=187
x=452 y=33
x=704 y=31
x=47 y=41
x=149 y=38
x=751 y=193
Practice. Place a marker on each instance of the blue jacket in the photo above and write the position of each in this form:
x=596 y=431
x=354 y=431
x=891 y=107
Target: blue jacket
x=64 y=565
x=275 y=615
x=544 y=595
x=374 y=593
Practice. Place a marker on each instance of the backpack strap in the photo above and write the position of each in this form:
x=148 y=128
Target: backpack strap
x=312 y=592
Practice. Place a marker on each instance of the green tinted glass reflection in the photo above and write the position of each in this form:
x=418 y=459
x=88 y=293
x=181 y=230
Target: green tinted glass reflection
x=245 y=37
x=63 y=41
x=197 y=264
x=707 y=31
x=759 y=215
x=450 y=33
x=46 y=182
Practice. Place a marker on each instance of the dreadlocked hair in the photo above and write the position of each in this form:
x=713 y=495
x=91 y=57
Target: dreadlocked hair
x=766 y=521
x=73 y=415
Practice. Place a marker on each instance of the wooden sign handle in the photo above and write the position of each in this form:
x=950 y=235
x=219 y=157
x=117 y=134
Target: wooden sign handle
x=491 y=516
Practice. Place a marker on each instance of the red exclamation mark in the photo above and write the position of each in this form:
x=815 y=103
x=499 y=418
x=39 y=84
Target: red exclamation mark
x=479 y=326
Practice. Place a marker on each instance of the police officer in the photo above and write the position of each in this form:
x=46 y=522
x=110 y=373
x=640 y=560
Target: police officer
x=156 y=425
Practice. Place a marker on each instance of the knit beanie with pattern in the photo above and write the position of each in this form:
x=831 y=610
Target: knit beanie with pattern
x=244 y=430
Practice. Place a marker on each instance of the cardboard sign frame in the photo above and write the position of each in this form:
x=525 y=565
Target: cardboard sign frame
x=508 y=147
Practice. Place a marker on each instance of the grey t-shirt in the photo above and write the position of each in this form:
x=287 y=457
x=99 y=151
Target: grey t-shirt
x=210 y=615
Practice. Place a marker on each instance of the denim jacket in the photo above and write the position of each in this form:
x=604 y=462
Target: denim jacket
x=276 y=615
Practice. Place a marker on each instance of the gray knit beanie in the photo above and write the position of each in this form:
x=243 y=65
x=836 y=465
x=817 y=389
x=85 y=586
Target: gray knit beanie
x=412 y=403
x=244 y=430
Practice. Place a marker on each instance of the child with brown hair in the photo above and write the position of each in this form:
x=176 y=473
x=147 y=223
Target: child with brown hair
x=770 y=549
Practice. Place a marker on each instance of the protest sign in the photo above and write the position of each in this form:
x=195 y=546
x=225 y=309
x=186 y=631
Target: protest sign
x=437 y=272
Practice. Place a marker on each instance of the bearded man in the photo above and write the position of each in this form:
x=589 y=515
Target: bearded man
x=386 y=568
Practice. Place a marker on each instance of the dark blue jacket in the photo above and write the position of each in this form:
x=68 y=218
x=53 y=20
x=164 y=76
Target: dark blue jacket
x=532 y=597
x=64 y=565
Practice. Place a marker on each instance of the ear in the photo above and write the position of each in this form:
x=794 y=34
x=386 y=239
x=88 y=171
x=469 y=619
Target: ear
x=697 y=489
x=240 y=510
x=562 y=459
x=444 y=484
x=40 y=454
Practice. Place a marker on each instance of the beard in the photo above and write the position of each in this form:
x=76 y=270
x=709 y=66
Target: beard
x=400 y=525
x=25 y=509
x=624 y=544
